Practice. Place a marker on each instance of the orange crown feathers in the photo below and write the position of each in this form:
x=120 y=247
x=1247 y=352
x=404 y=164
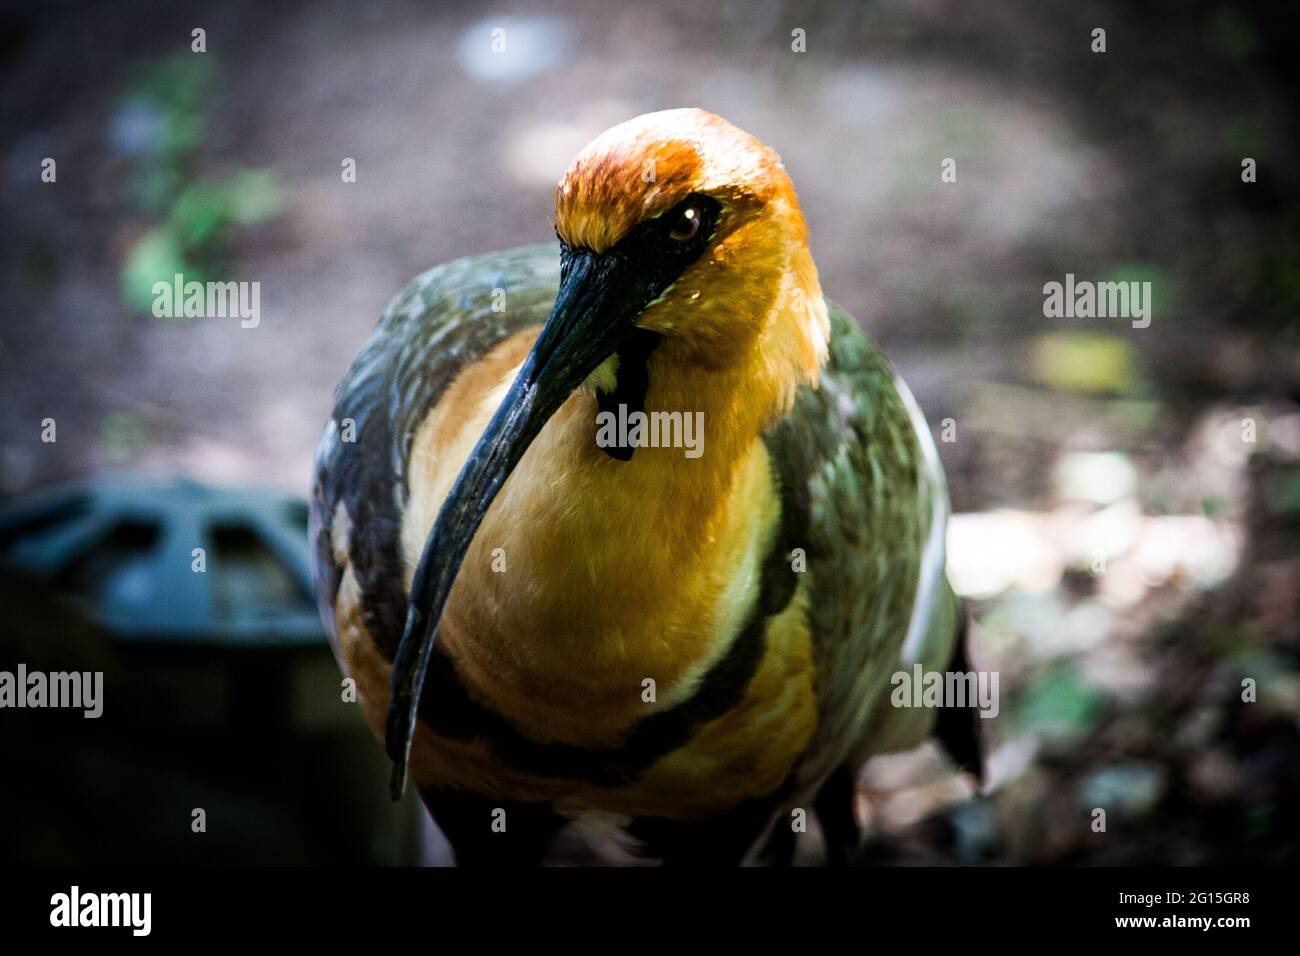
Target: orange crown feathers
x=644 y=166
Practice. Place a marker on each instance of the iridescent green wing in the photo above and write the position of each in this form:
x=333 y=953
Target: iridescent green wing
x=862 y=489
x=443 y=321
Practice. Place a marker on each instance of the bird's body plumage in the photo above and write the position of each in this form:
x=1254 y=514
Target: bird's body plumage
x=691 y=646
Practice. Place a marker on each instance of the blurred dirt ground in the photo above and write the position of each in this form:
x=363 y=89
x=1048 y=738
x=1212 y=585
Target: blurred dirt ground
x=1128 y=498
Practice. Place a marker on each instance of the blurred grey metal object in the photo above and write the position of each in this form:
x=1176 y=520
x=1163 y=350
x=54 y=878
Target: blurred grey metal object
x=175 y=561
x=219 y=689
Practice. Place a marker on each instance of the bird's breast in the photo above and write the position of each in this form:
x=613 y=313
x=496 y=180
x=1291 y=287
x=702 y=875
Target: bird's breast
x=596 y=592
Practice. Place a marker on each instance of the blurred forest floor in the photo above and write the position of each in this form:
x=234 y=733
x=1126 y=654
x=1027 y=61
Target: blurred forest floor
x=1128 y=498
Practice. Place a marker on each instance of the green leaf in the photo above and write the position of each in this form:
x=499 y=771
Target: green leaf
x=254 y=195
x=1060 y=706
x=200 y=215
x=155 y=257
x=1084 y=362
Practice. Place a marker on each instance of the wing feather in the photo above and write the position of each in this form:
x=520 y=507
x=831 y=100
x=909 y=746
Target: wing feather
x=859 y=474
x=443 y=321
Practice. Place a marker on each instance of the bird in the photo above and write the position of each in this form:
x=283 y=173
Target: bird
x=682 y=643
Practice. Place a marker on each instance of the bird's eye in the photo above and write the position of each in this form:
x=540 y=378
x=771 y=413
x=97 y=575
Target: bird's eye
x=687 y=225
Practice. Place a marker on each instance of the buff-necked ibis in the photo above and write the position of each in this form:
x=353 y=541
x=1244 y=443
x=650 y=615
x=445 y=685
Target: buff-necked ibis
x=691 y=643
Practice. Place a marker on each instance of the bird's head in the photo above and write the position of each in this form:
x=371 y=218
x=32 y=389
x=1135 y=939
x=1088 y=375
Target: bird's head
x=683 y=254
x=700 y=225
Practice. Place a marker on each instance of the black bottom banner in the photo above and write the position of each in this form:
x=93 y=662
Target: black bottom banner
x=215 y=905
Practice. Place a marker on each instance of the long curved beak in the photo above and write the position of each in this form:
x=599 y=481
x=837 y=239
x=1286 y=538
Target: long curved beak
x=595 y=310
